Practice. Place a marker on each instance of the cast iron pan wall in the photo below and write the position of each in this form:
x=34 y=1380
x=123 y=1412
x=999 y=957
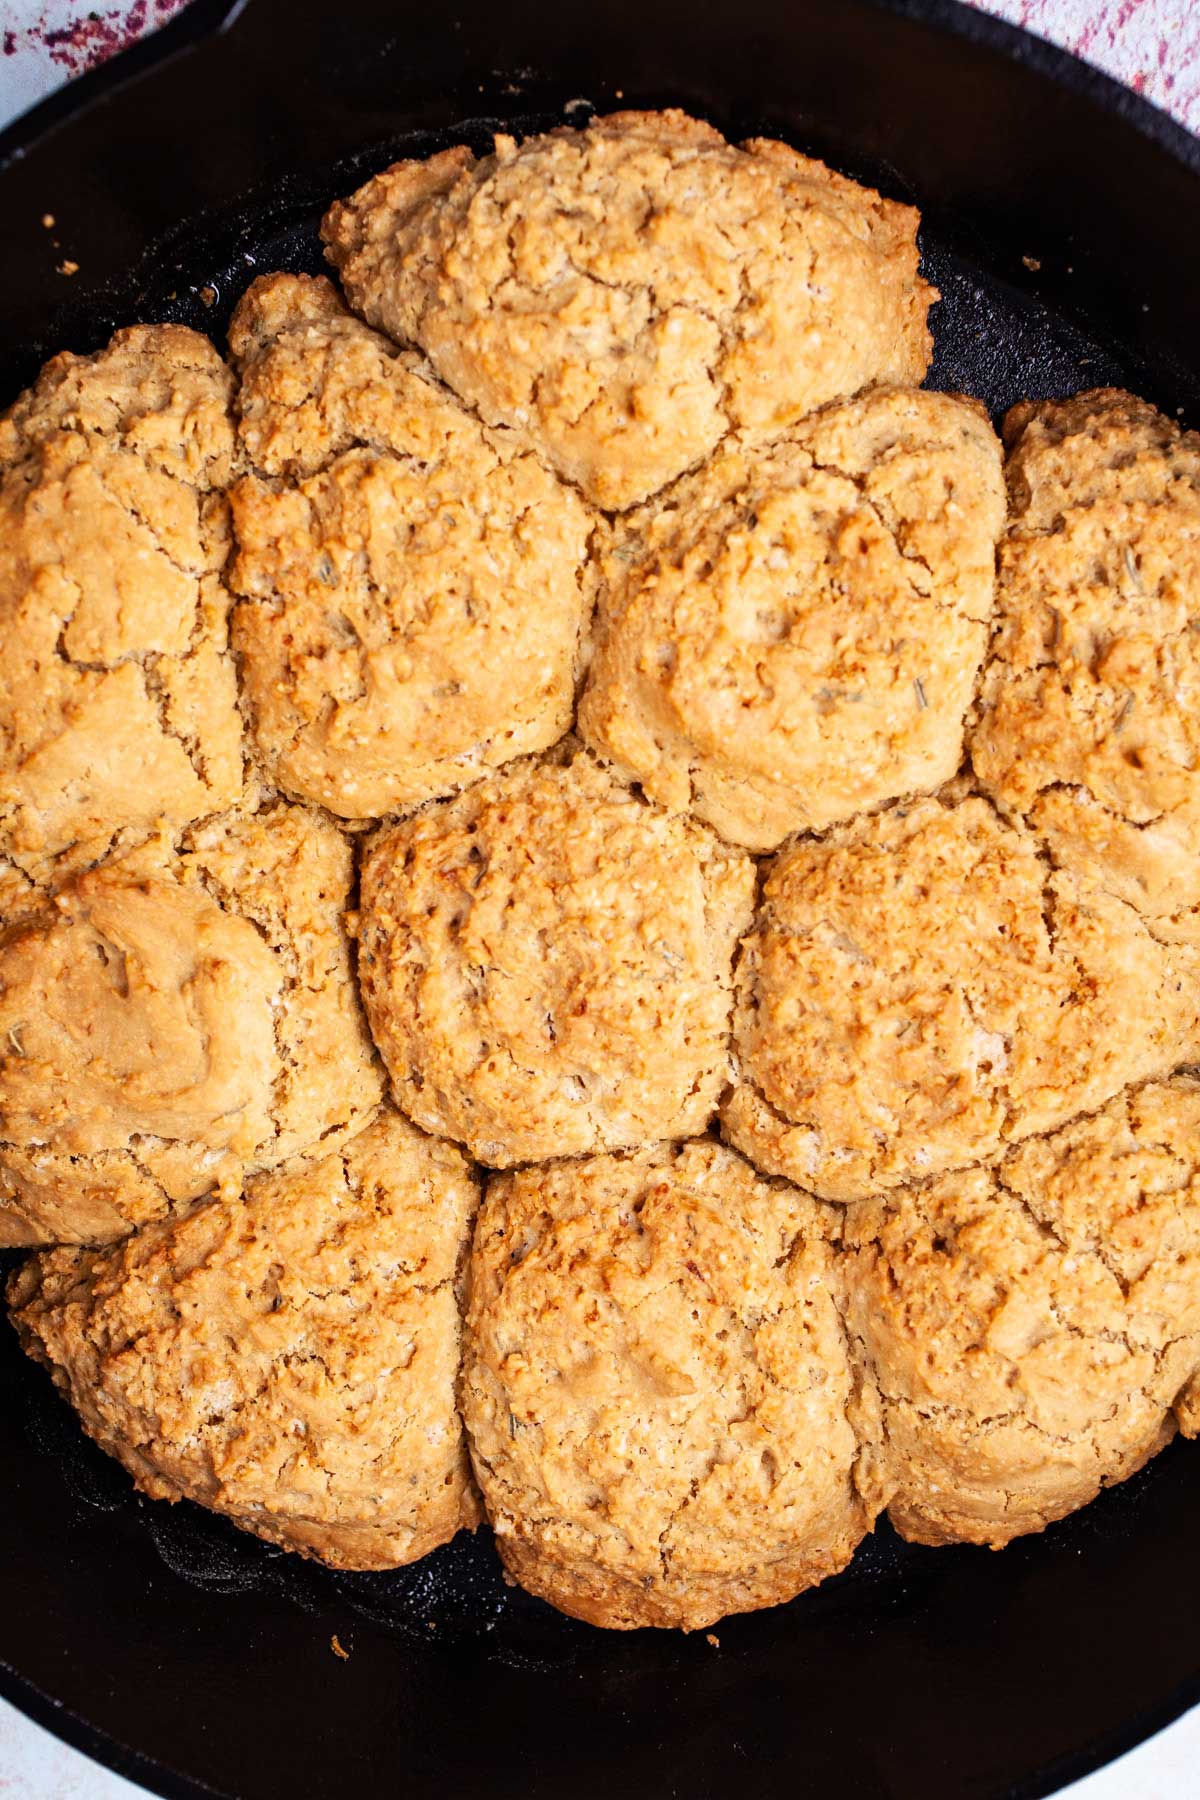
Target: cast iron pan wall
x=199 y=1661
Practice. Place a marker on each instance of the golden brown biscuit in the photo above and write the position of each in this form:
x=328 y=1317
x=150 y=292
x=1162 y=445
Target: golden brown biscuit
x=168 y=1022
x=922 y=988
x=288 y=1356
x=1187 y=1408
x=416 y=583
x=118 y=703
x=1030 y=1327
x=1090 y=715
x=545 y=962
x=792 y=635
x=627 y=294
x=656 y=1387
x=18 y=893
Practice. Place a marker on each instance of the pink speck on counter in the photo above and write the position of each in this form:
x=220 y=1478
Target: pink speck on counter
x=1151 y=45
x=45 y=42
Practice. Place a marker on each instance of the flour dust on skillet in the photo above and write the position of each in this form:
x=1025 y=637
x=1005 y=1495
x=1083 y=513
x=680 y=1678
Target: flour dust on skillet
x=202 y=1661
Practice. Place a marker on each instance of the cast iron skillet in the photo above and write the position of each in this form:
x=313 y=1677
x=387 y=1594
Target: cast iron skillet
x=1061 y=223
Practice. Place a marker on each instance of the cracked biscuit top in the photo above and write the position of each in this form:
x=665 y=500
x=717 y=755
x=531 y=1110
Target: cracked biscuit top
x=656 y=1387
x=627 y=294
x=288 y=1356
x=118 y=702
x=545 y=961
x=922 y=988
x=792 y=635
x=167 y=1022
x=1090 y=716
x=1030 y=1327
x=415 y=584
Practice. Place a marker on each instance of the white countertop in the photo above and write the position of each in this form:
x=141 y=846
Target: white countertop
x=1154 y=45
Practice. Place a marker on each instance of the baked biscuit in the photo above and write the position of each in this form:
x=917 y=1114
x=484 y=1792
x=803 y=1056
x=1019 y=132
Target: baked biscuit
x=416 y=585
x=288 y=1356
x=1187 y=1408
x=18 y=893
x=168 y=1022
x=627 y=294
x=118 y=702
x=1029 y=1327
x=545 y=961
x=793 y=634
x=1090 y=717
x=922 y=988
x=656 y=1387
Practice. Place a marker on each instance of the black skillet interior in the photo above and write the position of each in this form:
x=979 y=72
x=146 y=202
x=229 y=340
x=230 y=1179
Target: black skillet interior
x=1061 y=225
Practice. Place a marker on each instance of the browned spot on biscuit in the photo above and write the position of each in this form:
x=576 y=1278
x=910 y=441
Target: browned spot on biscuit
x=662 y=1413
x=1030 y=1326
x=415 y=585
x=626 y=294
x=793 y=634
x=545 y=962
x=288 y=1356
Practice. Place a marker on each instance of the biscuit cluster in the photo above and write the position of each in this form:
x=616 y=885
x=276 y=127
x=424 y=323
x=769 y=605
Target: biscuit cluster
x=601 y=896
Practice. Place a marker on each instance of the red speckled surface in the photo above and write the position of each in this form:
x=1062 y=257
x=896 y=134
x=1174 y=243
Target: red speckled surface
x=1152 y=45
x=45 y=42
x=72 y=44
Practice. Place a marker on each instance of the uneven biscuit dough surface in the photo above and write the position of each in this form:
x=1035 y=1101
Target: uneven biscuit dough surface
x=627 y=294
x=546 y=964
x=657 y=1389
x=1090 y=712
x=416 y=585
x=118 y=698
x=618 y=431
x=793 y=634
x=170 y=1020
x=1030 y=1327
x=287 y=1356
x=922 y=988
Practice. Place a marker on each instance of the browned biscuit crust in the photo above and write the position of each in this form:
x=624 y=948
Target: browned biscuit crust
x=118 y=702
x=1090 y=716
x=922 y=988
x=171 y=1020
x=1030 y=1327
x=656 y=1387
x=793 y=634
x=288 y=1356
x=546 y=964
x=627 y=294
x=415 y=585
